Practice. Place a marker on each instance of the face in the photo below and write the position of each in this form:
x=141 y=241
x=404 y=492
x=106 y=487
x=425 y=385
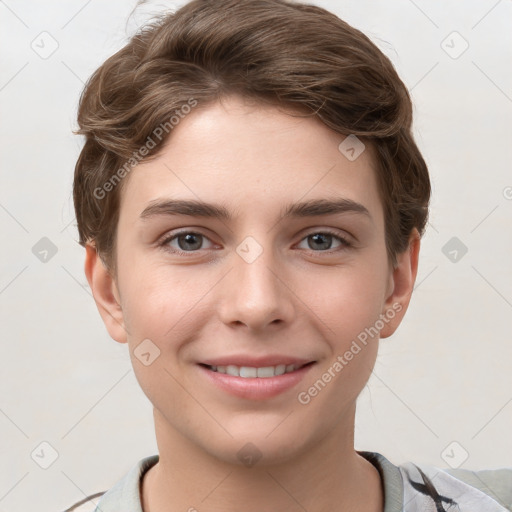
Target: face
x=278 y=265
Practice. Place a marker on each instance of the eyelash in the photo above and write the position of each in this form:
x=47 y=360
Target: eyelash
x=164 y=244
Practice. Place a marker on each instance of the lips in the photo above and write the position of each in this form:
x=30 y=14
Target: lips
x=261 y=372
x=255 y=378
x=256 y=362
x=255 y=367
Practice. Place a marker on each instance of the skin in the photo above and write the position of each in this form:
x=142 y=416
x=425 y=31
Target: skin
x=296 y=298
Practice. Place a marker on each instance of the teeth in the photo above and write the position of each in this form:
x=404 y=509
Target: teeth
x=251 y=372
x=247 y=371
x=280 y=369
x=232 y=370
x=267 y=371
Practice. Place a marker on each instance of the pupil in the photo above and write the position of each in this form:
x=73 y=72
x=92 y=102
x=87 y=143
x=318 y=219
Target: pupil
x=318 y=239
x=189 y=239
x=321 y=239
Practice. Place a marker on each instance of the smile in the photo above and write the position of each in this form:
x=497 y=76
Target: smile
x=251 y=372
x=255 y=382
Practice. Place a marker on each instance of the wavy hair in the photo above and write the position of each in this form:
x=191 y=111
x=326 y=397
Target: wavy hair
x=280 y=52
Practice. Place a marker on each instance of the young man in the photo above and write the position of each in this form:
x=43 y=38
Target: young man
x=251 y=201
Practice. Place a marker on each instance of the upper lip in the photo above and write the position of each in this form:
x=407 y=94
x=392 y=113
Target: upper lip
x=256 y=362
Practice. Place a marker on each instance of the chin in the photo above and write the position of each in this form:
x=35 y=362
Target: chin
x=261 y=447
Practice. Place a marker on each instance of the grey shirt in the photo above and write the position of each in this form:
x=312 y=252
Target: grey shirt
x=407 y=488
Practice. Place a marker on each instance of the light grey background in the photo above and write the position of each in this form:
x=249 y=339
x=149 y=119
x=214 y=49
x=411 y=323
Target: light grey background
x=444 y=377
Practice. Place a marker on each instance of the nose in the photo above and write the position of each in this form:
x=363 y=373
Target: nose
x=255 y=294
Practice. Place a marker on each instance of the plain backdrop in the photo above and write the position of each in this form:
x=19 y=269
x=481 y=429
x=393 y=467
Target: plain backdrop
x=441 y=392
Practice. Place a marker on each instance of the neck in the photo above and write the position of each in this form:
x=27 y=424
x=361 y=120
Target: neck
x=332 y=476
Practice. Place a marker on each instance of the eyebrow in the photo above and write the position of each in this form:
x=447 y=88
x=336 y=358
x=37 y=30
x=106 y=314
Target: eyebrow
x=311 y=208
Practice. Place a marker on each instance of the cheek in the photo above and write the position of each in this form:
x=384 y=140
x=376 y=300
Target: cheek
x=347 y=313
x=159 y=312
x=162 y=303
x=346 y=300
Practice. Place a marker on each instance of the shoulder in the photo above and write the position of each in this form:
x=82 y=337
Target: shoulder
x=124 y=495
x=486 y=490
x=88 y=504
x=496 y=483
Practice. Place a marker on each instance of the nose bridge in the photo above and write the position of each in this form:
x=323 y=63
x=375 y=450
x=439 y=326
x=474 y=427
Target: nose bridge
x=253 y=294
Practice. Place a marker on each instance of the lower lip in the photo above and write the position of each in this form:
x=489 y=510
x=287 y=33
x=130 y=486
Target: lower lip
x=254 y=388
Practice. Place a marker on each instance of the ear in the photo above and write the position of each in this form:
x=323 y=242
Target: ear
x=401 y=285
x=105 y=293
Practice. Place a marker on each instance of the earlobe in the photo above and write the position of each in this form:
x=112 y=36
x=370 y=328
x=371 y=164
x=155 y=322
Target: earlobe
x=402 y=282
x=105 y=293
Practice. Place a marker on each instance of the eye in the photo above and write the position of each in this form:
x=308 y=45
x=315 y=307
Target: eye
x=322 y=241
x=187 y=241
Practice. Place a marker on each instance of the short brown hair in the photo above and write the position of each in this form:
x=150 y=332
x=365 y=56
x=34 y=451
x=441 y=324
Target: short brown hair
x=278 y=51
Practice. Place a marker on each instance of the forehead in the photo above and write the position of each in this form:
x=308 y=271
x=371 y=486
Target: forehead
x=252 y=156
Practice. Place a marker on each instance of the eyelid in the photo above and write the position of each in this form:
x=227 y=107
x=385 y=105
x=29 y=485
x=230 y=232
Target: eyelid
x=345 y=241
x=339 y=233
x=171 y=236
